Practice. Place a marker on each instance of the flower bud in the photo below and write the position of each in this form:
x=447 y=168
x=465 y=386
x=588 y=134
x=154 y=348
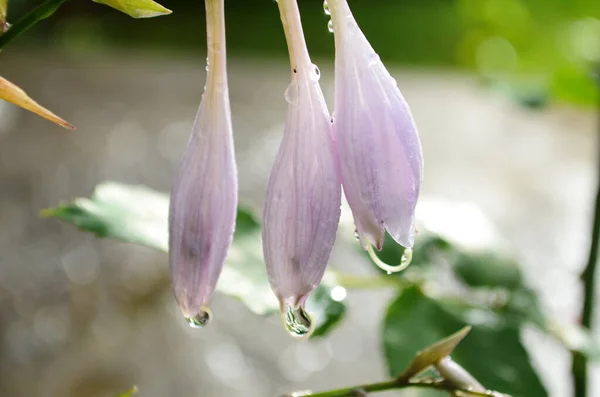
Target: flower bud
x=303 y=200
x=204 y=194
x=376 y=139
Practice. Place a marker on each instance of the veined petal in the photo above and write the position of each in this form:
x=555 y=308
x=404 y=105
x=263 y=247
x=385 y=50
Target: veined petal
x=204 y=194
x=303 y=200
x=377 y=141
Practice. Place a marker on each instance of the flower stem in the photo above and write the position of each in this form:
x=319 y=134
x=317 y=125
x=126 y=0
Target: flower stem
x=216 y=46
x=579 y=367
x=351 y=281
x=30 y=19
x=395 y=385
x=294 y=34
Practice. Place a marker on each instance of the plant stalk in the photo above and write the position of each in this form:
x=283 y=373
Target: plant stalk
x=579 y=367
x=39 y=13
x=395 y=384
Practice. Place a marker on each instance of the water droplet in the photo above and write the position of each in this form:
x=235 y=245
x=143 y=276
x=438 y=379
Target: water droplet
x=330 y=26
x=200 y=320
x=470 y=388
x=374 y=59
x=326 y=8
x=207 y=64
x=356 y=235
x=316 y=75
x=406 y=257
x=291 y=93
x=298 y=322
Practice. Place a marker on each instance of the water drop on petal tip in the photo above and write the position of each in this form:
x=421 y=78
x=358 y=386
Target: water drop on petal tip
x=200 y=320
x=326 y=8
x=330 y=26
x=404 y=261
x=298 y=322
x=406 y=257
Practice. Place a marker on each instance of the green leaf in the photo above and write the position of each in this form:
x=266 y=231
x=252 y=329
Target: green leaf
x=130 y=392
x=327 y=305
x=434 y=353
x=494 y=355
x=486 y=268
x=43 y=11
x=137 y=8
x=139 y=215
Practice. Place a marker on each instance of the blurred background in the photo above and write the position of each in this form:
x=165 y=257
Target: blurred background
x=503 y=94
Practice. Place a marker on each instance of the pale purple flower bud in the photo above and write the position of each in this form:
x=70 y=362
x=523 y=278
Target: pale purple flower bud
x=302 y=207
x=204 y=195
x=376 y=138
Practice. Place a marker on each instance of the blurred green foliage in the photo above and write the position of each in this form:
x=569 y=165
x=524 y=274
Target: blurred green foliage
x=139 y=215
x=493 y=352
x=455 y=281
x=528 y=49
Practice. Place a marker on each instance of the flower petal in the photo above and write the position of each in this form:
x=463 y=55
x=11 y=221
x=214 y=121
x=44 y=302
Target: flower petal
x=204 y=195
x=302 y=207
x=376 y=137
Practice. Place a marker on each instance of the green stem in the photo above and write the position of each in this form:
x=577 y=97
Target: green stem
x=579 y=368
x=395 y=385
x=372 y=282
x=30 y=19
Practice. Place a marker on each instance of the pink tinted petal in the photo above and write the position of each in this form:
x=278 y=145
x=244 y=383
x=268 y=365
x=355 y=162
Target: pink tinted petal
x=204 y=194
x=376 y=137
x=302 y=207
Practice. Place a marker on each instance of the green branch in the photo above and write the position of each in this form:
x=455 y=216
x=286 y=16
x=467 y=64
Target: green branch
x=396 y=384
x=30 y=19
x=579 y=368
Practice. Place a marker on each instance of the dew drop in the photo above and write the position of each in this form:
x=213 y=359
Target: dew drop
x=207 y=64
x=316 y=76
x=374 y=59
x=298 y=322
x=356 y=235
x=200 y=320
x=291 y=93
x=326 y=8
x=406 y=257
x=330 y=26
